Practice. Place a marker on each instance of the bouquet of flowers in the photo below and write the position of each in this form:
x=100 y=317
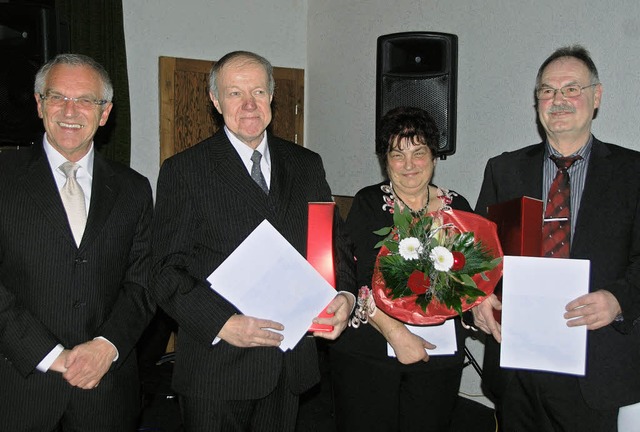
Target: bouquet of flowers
x=433 y=267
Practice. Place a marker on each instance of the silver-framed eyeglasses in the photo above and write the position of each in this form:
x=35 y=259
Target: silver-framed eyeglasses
x=57 y=99
x=568 y=91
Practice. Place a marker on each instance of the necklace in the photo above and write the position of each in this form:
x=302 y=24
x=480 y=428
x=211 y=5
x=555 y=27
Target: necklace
x=414 y=213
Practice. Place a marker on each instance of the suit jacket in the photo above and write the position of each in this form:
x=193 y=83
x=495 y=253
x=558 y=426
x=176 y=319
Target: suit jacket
x=207 y=204
x=608 y=234
x=54 y=292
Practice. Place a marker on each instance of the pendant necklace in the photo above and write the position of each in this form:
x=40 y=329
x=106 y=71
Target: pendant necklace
x=415 y=213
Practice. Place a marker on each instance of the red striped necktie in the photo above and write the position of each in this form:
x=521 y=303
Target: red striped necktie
x=556 y=229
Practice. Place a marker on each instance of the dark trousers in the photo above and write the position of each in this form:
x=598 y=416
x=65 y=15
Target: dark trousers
x=276 y=412
x=45 y=402
x=388 y=397
x=548 y=402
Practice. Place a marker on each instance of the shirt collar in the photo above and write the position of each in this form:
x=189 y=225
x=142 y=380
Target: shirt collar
x=56 y=159
x=583 y=151
x=245 y=151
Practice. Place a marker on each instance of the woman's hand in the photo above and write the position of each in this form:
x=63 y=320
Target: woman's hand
x=408 y=347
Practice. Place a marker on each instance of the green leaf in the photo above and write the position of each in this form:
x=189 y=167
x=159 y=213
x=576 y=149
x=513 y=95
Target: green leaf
x=393 y=247
x=466 y=280
x=383 y=231
x=401 y=219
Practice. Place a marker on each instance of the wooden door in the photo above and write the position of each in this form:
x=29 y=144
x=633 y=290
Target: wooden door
x=187 y=115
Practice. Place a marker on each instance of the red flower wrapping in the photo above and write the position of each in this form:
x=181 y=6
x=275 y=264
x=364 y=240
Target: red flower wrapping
x=406 y=310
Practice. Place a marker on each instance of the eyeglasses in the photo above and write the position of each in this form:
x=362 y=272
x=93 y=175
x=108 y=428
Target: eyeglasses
x=568 y=91
x=56 y=99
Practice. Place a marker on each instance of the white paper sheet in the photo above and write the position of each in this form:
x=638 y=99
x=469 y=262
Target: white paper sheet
x=443 y=336
x=266 y=277
x=535 y=335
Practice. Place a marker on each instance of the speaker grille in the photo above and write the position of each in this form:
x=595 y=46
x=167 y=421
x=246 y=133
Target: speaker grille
x=430 y=94
x=419 y=69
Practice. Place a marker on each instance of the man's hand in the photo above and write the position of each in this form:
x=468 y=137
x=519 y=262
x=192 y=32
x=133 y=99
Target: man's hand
x=595 y=310
x=88 y=362
x=341 y=307
x=409 y=348
x=58 y=363
x=484 y=319
x=246 y=332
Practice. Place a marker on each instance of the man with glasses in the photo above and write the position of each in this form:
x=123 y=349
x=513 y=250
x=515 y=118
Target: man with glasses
x=599 y=220
x=74 y=264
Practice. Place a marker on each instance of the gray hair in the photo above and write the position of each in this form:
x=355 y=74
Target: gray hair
x=248 y=57
x=577 y=52
x=74 y=60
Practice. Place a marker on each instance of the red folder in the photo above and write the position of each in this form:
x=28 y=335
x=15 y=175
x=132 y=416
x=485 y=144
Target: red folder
x=519 y=224
x=320 y=248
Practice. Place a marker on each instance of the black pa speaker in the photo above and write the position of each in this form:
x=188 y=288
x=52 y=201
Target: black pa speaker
x=420 y=69
x=28 y=38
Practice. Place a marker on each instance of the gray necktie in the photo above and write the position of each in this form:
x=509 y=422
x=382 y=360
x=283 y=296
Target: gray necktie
x=256 y=172
x=73 y=200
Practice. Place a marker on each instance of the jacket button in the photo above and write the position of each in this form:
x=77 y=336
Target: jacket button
x=78 y=304
x=80 y=260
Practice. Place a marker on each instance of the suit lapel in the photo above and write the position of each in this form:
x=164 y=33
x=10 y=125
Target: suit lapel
x=233 y=175
x=39 y=184
x=528 y=182
x=281 y=179
x=104 y=191
x=600 y=176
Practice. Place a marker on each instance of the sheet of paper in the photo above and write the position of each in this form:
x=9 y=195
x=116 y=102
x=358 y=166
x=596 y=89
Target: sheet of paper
x=443 y=336
x=535 y=335
x=266 y=277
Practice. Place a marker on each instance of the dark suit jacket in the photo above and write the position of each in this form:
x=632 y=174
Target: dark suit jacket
x=207 y=204
x=608 y=234
x=53 y=292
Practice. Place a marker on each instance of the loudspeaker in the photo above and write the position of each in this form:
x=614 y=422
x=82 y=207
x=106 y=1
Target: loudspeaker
x=420 y=69
x=28 y=38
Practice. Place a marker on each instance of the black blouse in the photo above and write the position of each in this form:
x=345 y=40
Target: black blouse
x=370 y=211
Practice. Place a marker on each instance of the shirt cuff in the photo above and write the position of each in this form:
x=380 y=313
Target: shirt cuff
x=114 y=347
x=48 y=360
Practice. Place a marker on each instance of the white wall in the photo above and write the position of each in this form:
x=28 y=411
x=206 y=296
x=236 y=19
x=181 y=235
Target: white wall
x=501 y=45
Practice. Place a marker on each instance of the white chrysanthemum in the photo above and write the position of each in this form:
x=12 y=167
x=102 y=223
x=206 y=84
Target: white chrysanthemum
x=442 y=258
x=410 y=248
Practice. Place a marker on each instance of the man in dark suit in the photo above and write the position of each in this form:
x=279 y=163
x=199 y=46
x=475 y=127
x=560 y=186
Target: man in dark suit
x=74 y=265
x=229 y=372
x=605 y=229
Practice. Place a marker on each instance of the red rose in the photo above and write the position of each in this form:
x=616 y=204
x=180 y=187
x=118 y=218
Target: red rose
x=458 y=261
x=418 y=282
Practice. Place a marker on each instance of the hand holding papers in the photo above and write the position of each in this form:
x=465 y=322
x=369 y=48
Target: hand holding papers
x=280 y=285
x=535 y=334
x=443 y=336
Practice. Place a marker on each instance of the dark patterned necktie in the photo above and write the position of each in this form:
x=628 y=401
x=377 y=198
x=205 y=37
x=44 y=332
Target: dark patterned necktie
x=256 y=172
x=556 y=229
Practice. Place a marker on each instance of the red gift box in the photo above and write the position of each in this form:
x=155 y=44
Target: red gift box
x=320 y=248
x=519 y=224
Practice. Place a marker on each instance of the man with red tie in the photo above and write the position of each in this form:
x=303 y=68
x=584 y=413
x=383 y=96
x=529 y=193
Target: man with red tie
x=591 y=192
